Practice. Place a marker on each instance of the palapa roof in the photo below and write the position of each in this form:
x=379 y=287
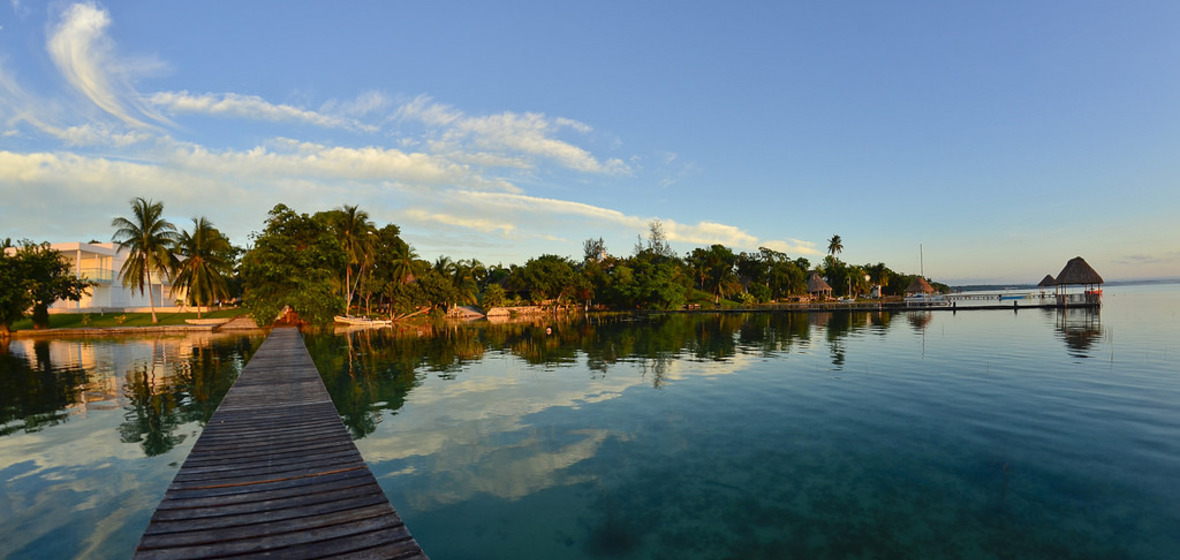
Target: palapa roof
x=920 y=285
x=817 y=284
x=1076 y=272
x=1047 y=281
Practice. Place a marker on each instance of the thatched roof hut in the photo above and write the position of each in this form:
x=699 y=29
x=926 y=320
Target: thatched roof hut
x=818 y=286
x=1047 y=281
x=920 y=285
x=1078 y=272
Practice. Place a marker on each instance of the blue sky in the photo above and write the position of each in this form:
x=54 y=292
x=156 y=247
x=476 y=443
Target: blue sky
x=1004 y=138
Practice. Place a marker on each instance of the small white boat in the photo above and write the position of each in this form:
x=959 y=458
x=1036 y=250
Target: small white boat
x=926 y=300
x=362 y=321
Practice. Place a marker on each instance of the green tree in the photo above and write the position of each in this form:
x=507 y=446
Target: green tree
x=437 y=289
x=292 y=264
x=35 y=275
x=657 y=241
x=200 y=272
x=716 y=265
x=150 y=239
x=493 y=296
x=14 y=293
x=593 y=250
x=658 y=284
x=405 y=299
x=549 y=277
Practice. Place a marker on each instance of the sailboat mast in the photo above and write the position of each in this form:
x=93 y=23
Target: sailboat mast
x=921 y=261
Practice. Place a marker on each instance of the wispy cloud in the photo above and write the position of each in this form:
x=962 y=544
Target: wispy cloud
x=530 y=134
x=292 y=158
x=482 y=225
x=80 y=48
x=250 y=107
x=1140 y=259
x=702 y=233
x=450 y=177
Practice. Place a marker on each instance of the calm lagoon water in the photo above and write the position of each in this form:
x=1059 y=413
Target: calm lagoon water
x=981 y=434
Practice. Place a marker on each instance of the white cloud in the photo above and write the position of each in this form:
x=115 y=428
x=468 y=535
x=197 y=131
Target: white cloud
x=709 y=233
x=86 y=57
x=99 y=134
x=482 y=225
x=531 y=134
x=793 y=247
x=290 y=158
x=249 y=107
x=425 y=110
x=701 y=233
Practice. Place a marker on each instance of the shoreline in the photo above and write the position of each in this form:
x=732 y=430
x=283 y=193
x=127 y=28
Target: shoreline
x=123 y=331
x=893 y=306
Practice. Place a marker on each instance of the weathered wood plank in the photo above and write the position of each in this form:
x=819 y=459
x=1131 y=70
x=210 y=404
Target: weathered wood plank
x=276 y=474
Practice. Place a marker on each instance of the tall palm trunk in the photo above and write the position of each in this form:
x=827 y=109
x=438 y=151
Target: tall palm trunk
x=347 y=289
x=151 y=298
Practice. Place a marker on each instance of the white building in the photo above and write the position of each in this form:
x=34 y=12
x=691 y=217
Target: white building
x=101 y=263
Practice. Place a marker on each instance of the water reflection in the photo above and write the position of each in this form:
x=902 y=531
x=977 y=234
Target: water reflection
x=161 y=383
x=33 y=393
x=369 y=372
x=1079 y=329
x=748 y=445
x=93 y=430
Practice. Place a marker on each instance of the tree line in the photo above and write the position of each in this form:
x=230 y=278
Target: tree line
x=340 y=262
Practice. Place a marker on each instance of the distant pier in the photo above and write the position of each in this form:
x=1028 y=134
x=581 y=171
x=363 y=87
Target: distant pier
x=275 y=474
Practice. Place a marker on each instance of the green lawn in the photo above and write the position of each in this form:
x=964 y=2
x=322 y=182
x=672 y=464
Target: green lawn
x=94 y=320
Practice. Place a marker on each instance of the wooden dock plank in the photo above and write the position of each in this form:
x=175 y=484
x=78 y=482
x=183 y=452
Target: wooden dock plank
x=275 y=474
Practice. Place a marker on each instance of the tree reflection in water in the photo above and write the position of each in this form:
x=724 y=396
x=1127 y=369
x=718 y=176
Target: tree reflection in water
x=166 y=382
x=34 y=394
x=166 y=392
x=371 y=371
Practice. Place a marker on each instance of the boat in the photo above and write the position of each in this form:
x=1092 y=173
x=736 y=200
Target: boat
x=920 y=299
x=362 y=321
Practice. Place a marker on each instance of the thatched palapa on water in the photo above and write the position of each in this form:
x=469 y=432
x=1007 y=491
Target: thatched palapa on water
x=1078 y=272
x=920 y=285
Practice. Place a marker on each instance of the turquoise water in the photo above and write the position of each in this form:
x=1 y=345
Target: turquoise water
x=981 y=434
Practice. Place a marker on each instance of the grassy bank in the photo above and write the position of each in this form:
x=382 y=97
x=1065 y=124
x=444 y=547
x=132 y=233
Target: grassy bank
x=96 y=320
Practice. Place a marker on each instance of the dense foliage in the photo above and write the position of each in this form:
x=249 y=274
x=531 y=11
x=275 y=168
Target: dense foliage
x=339 y=262
x=293 y=263
x=342 y=259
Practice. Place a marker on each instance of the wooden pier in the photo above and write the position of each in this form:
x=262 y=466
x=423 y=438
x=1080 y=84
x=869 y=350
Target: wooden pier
x=275 y=474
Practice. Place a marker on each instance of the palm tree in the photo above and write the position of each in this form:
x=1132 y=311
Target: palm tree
x=204 y=251
x=835 y=245
x=444 y=265
x=150 y=240
x=466 y=276
x=405 y=264
x=354 y=228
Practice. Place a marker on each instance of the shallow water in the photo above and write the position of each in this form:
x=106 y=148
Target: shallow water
x=981 y=434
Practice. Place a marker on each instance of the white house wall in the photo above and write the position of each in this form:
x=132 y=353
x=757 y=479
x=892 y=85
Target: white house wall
x=101 y=263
